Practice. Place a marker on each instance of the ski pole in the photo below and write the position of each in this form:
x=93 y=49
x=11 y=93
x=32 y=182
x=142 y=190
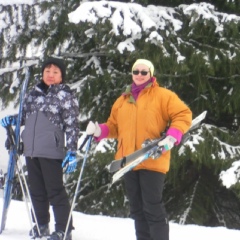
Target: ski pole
x=78 y=185
x=84 y=142
x=23 y=181
x=25 y=200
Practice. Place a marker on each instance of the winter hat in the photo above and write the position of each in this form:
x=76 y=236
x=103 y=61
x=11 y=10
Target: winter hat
x=145 y=62
x=58 y=62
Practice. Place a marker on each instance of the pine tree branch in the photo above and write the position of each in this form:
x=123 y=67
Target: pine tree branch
x=93 y=193
x=187 y=211
x=192 y=73
x=223 y=78
x=83 y=55
x=208 y=46
x=177 y=75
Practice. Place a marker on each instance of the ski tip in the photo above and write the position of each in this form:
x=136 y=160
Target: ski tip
x=112 y=182
x=204 y=113
x=199 y=118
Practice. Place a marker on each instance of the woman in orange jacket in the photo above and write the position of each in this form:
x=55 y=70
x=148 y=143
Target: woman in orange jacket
x=142 y=112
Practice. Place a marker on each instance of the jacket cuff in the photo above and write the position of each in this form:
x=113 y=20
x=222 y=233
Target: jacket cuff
x=176 y=134
x=104 y=132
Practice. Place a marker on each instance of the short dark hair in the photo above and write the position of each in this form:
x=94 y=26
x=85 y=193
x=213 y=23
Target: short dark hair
x=58 y=62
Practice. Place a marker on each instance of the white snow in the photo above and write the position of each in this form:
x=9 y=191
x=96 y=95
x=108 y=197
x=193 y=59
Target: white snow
x=92 y=227
x=231 y=176
x=131 y=20
x=11 y=2
x=88 y=227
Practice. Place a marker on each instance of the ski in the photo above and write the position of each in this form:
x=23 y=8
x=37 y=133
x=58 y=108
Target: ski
x=149 y=147
x=118 y=164
x=115 y=165
x=13 y=151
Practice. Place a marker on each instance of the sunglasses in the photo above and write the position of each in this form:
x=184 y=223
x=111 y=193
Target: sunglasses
x=143 y=73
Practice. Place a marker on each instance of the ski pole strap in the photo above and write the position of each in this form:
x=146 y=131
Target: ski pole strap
x=10 y=135
x=123 y=162
x=11 y=141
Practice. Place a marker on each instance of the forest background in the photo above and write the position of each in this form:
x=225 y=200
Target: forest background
x=195 y=48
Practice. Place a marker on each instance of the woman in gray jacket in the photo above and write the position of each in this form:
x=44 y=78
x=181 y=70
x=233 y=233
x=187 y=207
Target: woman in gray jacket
x=50 y=115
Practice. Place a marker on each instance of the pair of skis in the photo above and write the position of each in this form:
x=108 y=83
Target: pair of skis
x=126 y=164
x=14 y=138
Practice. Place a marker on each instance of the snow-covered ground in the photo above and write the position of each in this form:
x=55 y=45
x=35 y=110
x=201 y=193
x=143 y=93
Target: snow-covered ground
x=92 y=227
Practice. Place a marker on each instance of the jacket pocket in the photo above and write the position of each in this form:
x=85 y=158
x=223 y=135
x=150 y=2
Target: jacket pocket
x=56 y=140
x=59 y=141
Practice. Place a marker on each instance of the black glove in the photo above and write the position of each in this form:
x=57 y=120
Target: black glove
x=7 y=144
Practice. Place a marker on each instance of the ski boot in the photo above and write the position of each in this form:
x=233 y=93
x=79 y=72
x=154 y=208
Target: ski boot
x=59 y=235
x=44 y=231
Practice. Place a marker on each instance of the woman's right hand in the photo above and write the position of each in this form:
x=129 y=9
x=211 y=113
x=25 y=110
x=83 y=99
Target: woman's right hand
x=93 y=129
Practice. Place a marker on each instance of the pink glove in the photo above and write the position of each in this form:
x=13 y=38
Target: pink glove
x=176 y=134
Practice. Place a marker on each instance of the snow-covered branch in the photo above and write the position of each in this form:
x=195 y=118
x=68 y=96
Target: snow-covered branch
x=155 y=24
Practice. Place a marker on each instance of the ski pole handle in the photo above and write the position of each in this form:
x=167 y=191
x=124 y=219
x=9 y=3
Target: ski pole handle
x=84 y=142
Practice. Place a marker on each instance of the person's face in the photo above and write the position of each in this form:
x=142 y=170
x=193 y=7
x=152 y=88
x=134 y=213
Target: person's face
x=140 y=74
x=52 y=75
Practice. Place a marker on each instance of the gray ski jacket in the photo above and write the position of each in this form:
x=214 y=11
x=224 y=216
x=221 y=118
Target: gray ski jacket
x=51 y=122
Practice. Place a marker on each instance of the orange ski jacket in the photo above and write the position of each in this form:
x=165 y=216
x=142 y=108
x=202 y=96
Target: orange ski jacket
x=132 y=122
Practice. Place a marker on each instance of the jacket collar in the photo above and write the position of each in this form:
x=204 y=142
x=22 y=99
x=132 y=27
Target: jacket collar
x=128 y=92
x=55 y=88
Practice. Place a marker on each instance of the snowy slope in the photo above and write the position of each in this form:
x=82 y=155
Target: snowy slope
x=89 y=227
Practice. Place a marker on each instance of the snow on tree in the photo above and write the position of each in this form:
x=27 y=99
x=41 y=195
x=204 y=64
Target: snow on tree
x=196 y=52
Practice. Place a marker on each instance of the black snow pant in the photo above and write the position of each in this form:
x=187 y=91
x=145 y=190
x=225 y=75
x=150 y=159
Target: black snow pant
x=46 y=188
x=144 y=190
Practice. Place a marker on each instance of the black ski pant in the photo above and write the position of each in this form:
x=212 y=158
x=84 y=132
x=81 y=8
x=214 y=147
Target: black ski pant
x=46 y=188
x=144 y=190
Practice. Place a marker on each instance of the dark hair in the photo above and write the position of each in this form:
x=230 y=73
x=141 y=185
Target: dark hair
x=58 y=62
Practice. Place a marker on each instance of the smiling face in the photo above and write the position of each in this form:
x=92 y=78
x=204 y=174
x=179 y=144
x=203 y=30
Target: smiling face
x=52 y=75
x=138 y=74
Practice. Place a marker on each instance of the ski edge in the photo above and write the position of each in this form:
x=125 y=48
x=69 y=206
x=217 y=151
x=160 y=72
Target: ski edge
x=195 y=122
x=118 y=174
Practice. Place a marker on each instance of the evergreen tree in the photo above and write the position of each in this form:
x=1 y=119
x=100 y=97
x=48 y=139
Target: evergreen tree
x=195 y=50
x=231 y=6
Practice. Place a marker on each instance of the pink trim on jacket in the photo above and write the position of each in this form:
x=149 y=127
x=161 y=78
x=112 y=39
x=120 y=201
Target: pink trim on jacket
x=176 y=134
x=104 y=132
